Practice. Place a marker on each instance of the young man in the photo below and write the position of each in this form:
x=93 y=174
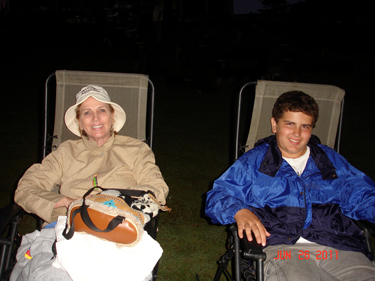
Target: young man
x=298 y=197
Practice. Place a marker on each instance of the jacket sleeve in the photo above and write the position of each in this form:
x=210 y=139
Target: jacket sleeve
x=356 y=196
x=35 y=193
x=230 y=193
x=147 y=174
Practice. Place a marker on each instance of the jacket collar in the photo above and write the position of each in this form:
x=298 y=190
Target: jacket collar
x=91 y=145
x=272 y=161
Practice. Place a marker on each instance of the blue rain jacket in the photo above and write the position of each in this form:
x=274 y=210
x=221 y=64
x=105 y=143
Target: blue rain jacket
x=319 y=205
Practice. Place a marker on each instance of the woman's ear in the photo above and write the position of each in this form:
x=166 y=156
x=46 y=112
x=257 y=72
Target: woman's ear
x=80 y=125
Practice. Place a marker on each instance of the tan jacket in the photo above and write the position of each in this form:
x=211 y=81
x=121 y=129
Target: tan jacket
x=121 y=163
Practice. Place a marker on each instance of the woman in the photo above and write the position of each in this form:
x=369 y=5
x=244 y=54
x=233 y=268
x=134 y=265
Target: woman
x=117 y=162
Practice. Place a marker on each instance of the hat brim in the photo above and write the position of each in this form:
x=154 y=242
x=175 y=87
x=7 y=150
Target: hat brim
x=72 y=124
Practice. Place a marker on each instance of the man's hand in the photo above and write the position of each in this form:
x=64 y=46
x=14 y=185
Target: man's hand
x=65 y=202
x=248 y=221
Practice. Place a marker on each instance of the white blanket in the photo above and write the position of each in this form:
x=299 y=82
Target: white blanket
x=86 y=257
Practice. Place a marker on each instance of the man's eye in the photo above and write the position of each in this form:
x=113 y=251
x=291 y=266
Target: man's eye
x=307 y=127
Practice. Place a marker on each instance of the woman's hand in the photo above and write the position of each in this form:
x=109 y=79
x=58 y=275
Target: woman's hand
x=65 y=202
x=248 y=221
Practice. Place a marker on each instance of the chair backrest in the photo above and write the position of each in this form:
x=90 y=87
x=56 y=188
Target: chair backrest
x=329 y=98
x=128 y=90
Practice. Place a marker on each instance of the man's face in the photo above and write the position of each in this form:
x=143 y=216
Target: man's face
x=293 y=131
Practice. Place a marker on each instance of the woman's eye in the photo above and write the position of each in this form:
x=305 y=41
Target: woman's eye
x=86 y=112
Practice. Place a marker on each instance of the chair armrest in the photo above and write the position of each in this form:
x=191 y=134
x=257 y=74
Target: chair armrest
x=7 y=214
x=367 y=225
x=152 y=226
x=251 y=249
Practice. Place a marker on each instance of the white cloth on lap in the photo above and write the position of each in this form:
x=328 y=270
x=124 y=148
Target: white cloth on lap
x=86 y=257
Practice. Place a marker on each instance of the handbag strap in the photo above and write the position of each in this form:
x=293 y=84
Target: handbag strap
x=87 y=220
x=114 y=222
x=126 y=192
x=70 y=233
x=134 y=193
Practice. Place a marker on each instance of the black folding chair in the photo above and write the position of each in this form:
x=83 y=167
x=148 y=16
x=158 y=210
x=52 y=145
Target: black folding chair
x=134 y=92
x=247 y=258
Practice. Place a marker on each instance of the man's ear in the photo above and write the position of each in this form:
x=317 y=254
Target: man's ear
x=273 y=125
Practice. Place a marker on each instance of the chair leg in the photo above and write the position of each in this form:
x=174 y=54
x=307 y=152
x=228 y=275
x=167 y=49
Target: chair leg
x=247 y=271
x=4 y=250
x=367 y=235
x=237 y=260
x=237 y=251
x=223 y=265
x=241 y=267
x=259 y=270
x=8 y=244
x=232 y=252
x=155 y=272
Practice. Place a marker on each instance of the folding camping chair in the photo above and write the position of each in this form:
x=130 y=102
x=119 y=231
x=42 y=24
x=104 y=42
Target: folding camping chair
x=331 y=104
x=134 y=92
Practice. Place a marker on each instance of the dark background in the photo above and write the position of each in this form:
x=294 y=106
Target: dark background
x=197 y=56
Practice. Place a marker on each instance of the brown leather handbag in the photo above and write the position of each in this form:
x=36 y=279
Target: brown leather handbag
x=106 y=215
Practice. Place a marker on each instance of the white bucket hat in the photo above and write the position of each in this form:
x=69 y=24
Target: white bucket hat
x=99 y=94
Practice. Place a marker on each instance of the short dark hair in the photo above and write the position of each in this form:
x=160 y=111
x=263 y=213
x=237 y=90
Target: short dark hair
x=296 y=101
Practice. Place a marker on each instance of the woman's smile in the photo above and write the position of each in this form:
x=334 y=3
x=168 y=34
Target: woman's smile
x=96 y=120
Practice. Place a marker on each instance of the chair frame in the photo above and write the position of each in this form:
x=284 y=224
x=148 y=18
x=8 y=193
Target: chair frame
x=250 y=251
x=240 y=148
x=242 y=247
x=9 y=221
x=51 y=84
x=11 y=215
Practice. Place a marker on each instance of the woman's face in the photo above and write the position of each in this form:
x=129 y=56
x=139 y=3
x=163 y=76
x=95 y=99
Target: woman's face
x=96 y=119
